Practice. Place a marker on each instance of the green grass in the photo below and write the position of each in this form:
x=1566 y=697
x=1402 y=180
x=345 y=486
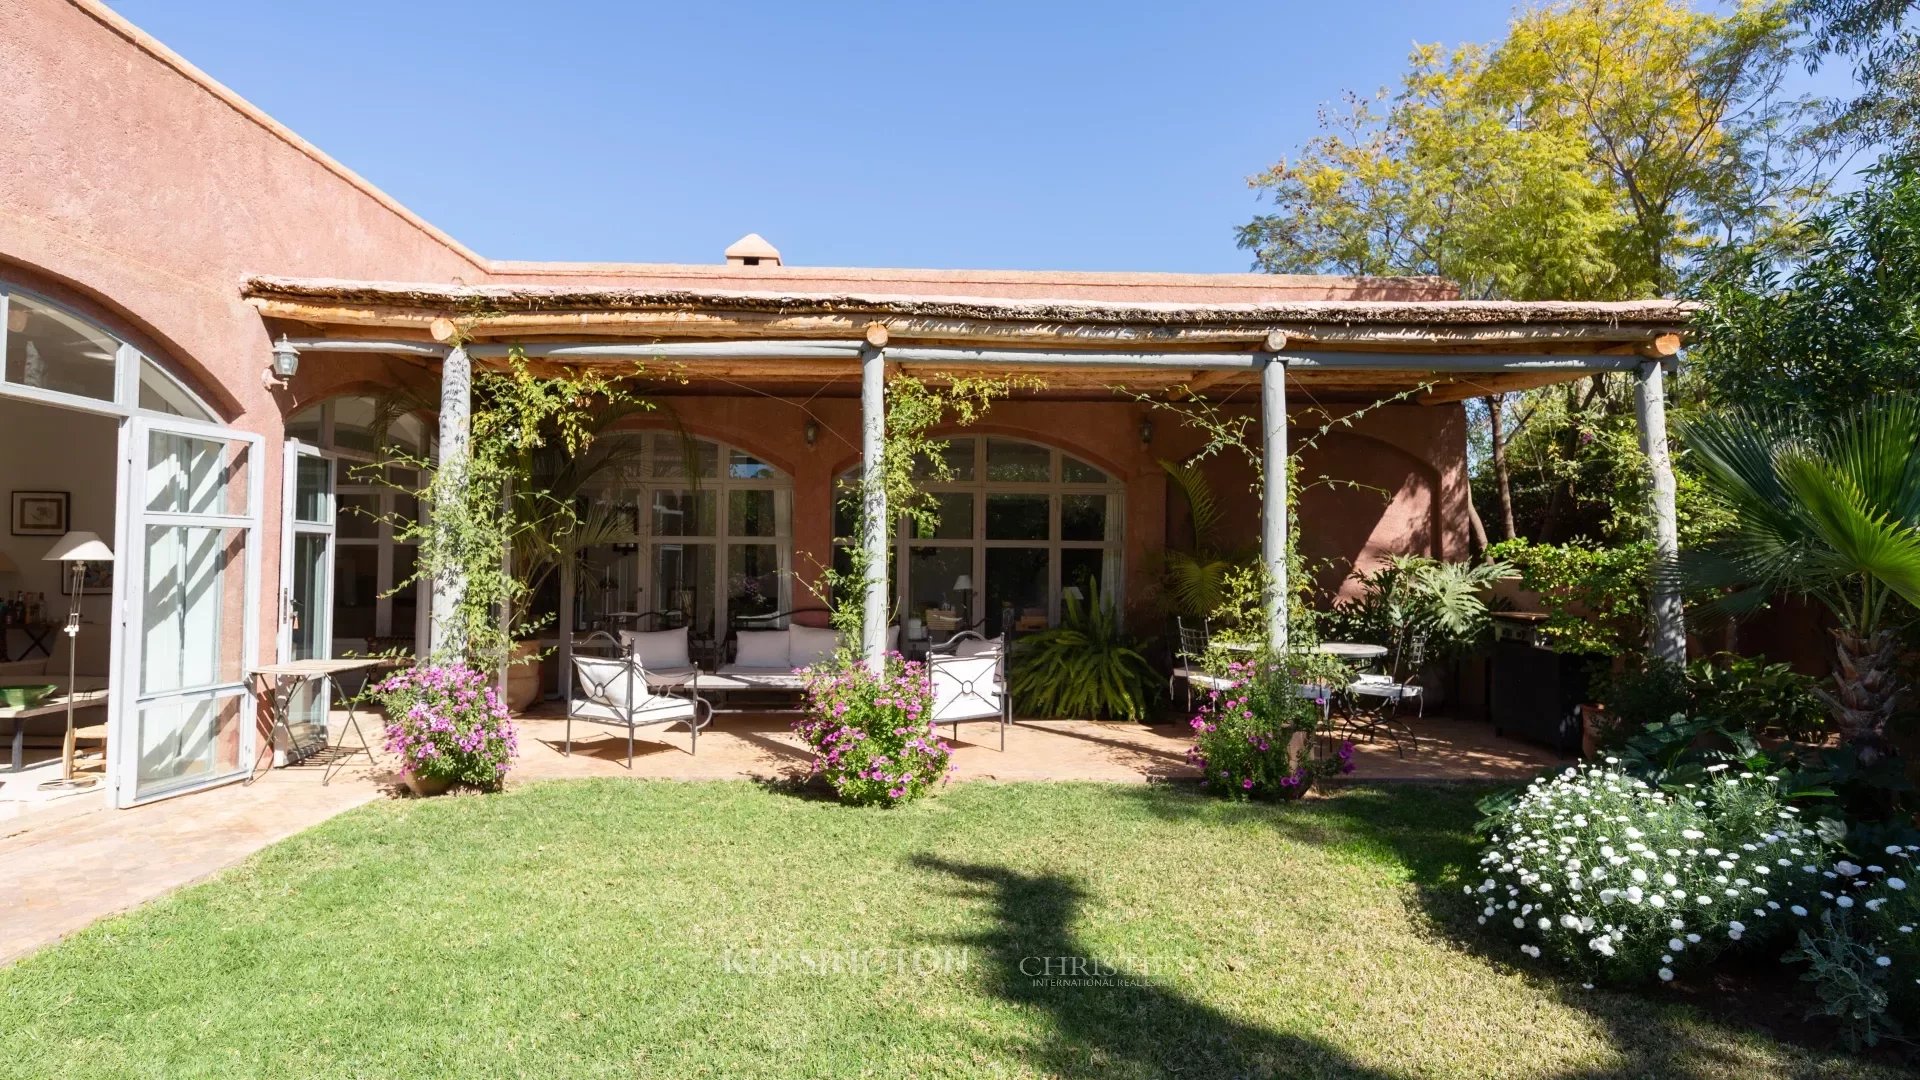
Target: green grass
x=606 y=928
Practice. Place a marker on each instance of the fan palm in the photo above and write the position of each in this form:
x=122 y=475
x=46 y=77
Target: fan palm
x=1831 y=513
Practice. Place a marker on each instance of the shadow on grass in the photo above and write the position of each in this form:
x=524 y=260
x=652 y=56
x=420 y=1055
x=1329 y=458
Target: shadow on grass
x=1428 y=829
x=1108 y=1016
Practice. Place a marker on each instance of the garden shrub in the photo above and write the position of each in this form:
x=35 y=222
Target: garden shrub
x=870 y=733
x=1739 y=693
x=1599 y=871
x=447 y=722
x=1244 y=733
x=1858 y=940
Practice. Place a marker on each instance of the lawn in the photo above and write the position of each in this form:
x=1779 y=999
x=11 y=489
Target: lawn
x=612 y=928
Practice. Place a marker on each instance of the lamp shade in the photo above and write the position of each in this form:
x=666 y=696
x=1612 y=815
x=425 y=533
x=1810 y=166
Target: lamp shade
x=963 y=583
x=79 y=547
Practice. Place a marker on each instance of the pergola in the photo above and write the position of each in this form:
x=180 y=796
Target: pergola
x=1433 y=351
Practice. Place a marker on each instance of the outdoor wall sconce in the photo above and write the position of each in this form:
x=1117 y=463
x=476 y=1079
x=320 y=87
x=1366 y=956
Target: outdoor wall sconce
x=1146 y=431
x=286 y=364
x=811 y=432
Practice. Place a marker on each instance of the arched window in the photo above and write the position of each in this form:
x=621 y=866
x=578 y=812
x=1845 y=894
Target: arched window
x=714 y=526
x=1020 y=523
x=63 y=358
x=368 y=559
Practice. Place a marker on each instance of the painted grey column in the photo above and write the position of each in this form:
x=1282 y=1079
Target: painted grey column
x=446 y=638
x=1650 y=403
x=566 y=626
x=876 y=525
x=1273 y=493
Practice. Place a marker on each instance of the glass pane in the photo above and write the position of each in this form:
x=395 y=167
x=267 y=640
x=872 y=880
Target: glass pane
x=305 y=425
x=1023 y=462
x=683 y=583
x=1075 y=471
x=1082 y=568
x=354 y=422
x=673 y=457
x=313 y=490
x=958 y=456
x=160 y=392
x=683 y=513
x=190 y=474
x=752 y=513
x=753 y=579
x=1083 y=517
x=312 y=558
x=406 y=602
x=53 y=350
x=186 y=743
x=1016 y=588
x=844 y=510
x=744 y=466
x=359 y=515
x=356 y=592
x=940 y=589
x=956 y=518
x=194 y=607
x=1017 y=517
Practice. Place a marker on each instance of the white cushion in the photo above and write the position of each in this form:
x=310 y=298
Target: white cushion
x=658 y=648
x=976 y=646
x=808 y=645
x=610 y=684
x=764 y=649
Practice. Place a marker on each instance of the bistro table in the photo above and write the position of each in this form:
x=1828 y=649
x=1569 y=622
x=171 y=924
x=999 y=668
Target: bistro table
x=277 y=685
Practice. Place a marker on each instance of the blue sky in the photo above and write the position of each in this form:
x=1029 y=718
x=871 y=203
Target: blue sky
x=1029 y=135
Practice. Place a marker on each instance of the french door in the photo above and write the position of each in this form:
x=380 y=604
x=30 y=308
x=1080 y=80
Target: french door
x=306 y=588
x=187 y=588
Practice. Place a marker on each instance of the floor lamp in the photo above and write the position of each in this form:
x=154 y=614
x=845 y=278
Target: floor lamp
x=76 y=549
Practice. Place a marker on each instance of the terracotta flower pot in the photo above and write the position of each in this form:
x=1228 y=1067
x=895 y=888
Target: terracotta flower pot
x=523 y=676
x=426 y=786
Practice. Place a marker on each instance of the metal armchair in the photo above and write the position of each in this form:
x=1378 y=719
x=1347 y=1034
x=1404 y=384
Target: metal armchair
x=614 y=691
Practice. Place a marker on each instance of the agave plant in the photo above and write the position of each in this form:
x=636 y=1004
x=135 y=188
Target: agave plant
x=1084 y=668
x=1831 y=513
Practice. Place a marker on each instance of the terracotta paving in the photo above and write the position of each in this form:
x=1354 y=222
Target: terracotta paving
x=66 y=865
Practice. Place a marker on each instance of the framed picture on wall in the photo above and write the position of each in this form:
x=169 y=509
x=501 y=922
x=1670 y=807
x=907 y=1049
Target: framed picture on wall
x=97 y=579
x=40 y=513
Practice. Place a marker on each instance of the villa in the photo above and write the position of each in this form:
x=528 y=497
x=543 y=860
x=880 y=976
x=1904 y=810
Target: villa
x=207 y=321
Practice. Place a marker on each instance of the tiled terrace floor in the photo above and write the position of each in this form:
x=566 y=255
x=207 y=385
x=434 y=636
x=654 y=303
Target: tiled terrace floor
x=66 y=865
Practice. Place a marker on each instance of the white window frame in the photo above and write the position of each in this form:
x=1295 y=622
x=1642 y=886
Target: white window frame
x=128 y=364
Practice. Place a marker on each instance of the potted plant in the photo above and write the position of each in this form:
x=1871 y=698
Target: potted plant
x=870 y=733
x=447 y=725
x=1085 y=668
x=1260 y=737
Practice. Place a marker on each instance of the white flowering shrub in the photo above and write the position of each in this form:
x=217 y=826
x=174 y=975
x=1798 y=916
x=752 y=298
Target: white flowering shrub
x=1857 y=936
x=1599 y=871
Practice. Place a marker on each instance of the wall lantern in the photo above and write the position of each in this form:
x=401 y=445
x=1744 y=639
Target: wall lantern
x=286 y=363
x=1146 y=431
x=811 y=432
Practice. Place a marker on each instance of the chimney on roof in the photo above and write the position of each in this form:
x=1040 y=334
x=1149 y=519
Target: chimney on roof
x=752 y=250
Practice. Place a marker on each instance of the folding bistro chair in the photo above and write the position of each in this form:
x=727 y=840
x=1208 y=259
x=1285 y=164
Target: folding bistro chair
x=1377 y=700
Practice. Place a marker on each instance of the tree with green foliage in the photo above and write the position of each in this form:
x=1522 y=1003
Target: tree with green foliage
x=1881 y=39
x=1834 y=326
x=1591 y=154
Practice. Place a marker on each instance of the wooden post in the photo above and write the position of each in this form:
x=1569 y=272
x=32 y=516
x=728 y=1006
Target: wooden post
x=875 y=523
x=1273 y=494
x=1650 y=404
x=446 y=638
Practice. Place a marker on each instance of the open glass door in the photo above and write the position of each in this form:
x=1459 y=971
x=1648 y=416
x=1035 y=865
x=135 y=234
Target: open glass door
x=189 y=593
x=306 y=591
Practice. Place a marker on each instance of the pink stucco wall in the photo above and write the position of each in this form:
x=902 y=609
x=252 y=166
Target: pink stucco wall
x=141 y=193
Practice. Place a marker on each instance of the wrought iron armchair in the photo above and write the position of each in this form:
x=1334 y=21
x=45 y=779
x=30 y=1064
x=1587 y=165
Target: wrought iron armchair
x=614 y=691
x=972 y=687
x=1190 y=647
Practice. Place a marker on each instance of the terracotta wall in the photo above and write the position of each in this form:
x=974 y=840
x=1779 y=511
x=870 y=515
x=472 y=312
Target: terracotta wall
x=142 y=197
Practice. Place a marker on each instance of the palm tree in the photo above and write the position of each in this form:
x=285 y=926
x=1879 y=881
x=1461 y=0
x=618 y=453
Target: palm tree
x=1193 y=581
x=1831 y=513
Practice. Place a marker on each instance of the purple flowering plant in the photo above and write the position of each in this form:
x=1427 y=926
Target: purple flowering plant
x=870 y=733
x=1244 y=737
x=447 y=722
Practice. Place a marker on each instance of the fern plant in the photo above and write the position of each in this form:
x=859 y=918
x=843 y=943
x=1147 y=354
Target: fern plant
x=1085 y=668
